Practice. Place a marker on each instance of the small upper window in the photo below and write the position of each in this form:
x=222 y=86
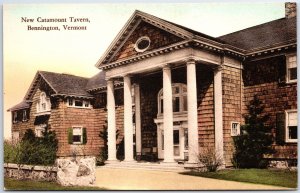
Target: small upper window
x=43 y=105
x=78 y=103
x=142 y=44
x=235 y=129
x=291 y=61
x=291 y=126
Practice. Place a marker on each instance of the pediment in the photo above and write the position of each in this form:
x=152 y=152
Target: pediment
x=160 y=32
x=158 y=38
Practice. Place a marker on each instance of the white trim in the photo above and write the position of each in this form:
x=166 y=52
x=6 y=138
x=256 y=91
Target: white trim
x=287 y=140
x=181 y=95
x=136 y=47
x=81 y=131
x=238 y=132
x=79 y=107
x=287 y=56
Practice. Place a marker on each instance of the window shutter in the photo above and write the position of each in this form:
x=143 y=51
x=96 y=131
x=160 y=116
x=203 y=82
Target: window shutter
x=70 y=136
x=280 y=128
x=84 y=136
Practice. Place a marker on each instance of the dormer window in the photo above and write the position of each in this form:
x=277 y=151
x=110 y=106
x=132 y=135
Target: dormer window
x=43 y=105
x=179 y=93
x=291 y=63
x=78 y=103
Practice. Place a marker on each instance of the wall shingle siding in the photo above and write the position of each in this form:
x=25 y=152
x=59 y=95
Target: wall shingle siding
x=264 y=79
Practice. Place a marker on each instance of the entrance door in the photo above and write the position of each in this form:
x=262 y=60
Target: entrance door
x=179 y=141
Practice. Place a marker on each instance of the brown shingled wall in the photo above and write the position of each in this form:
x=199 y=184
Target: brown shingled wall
x=263 y=78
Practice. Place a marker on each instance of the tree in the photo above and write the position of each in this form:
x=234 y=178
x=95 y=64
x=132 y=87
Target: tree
x=255 y=139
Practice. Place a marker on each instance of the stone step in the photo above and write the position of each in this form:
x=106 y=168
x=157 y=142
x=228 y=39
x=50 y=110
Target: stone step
x=146 y=166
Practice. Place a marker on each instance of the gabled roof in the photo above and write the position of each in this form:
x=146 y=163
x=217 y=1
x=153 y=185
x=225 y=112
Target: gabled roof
x=265 y=35
x=96 y=81
x=61 y=84
x=66 y=84
x=22 y=105
x=138 y=16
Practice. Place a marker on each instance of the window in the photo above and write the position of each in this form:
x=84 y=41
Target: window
x=39 y=129
x=291 y=125
x=291 y=61
x=77 y=135
x=235 y=128
x=43 y=105
x=179 y=93
x=78 y=103
x=25 y=117
x=142 y=44
x=186 y=139
x=15 y=117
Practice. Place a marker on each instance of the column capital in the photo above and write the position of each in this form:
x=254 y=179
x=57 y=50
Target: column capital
x=166 y=66
x=127 y=75
x=218 y=68
x=190 y=60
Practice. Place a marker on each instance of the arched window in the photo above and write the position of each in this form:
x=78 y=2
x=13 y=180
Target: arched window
x=179 y=93
x=43 y=104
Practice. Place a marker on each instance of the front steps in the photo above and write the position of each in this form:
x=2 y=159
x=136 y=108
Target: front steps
x=173 y=167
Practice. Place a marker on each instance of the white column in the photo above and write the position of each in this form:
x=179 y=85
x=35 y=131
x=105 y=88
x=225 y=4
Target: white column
x=168 y=116
x=111 y=122
x=192 y=112
x=128 y=125
x=218 y=113
x=138 y=137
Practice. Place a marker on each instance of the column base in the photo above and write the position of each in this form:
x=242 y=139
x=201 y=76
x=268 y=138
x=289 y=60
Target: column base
x=170 y=163
x=129 y=161
x=112 y=161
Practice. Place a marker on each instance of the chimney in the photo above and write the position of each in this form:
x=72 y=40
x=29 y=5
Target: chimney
x=290 y=9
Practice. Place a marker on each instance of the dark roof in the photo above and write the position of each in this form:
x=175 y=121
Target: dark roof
x=66 y=84
x=268 y=34
x=190 y=30
x=21 y=105
x=96 y=81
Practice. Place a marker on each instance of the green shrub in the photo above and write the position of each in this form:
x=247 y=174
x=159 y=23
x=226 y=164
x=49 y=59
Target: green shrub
x=11 y=152
x=255 y=139
x=32 y=150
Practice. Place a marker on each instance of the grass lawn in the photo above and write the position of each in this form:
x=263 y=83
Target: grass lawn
x=257 y=176
x=12 y=184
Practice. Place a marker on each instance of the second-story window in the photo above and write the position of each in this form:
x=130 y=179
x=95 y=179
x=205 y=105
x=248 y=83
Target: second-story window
x=43 y=105
x=78 y=103
x=179 y=94
x=291 y=62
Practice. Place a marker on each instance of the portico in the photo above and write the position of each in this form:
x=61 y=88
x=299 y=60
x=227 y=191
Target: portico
x=185 y=115
x=168 y=116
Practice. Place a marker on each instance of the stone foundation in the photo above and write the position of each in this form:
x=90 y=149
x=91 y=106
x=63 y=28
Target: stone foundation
x=29 y=172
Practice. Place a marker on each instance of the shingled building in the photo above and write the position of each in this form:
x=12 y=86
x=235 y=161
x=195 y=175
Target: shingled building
x=170 y=91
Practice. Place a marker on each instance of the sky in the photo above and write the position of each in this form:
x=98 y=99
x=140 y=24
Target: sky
x=76 y=52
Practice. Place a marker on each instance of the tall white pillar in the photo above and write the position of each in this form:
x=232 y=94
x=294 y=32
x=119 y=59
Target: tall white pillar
x=111 y=122
x=128 y=125
x=138 y=136
x=192 y=112
x=218 y=113
x=168 y=116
